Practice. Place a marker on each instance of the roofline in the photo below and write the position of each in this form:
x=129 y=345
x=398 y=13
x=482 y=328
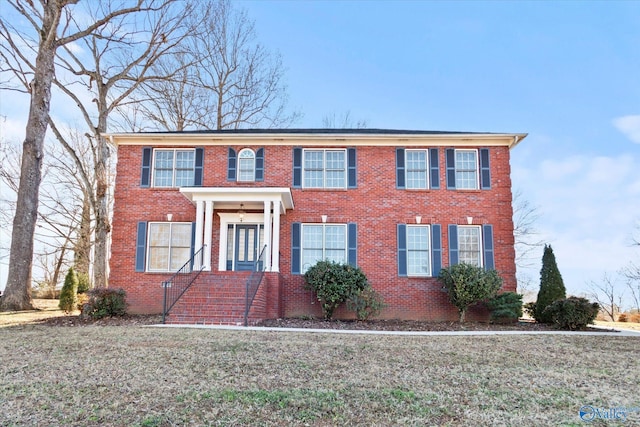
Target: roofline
x=331 y=137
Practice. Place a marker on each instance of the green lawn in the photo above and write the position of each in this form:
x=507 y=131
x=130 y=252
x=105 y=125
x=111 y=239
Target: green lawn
x=124 y=376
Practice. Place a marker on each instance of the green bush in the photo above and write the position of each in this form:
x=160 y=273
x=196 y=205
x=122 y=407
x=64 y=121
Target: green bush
x=506 y=307
x=69 y=293
x=572 y=313
x=551 y=286
x=530 y=308
x=468 y=284
x=334 y=283
x=366 y=304
x=105 y=302
x=84 y=283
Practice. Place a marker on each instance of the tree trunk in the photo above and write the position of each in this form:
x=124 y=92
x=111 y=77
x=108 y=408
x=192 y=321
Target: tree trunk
x=103 y=224
x=17 y=295
x=462 y=315
x=82 y=248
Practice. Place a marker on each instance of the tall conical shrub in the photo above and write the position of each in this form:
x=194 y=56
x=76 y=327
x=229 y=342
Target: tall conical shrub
x=69 y=293
x=551 y=286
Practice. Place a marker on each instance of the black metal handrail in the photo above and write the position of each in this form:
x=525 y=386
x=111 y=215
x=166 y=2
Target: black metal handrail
x=182 y=280
x=253 y=283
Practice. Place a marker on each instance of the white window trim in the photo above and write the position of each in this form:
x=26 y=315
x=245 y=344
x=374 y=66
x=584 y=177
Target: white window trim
x=253 y=175
x=148 y=258
x=173 y=176
x=468 y=150
x=429 y=255
x=324 y=168
x=480 y=242
x=406 y=168
x=324 y=225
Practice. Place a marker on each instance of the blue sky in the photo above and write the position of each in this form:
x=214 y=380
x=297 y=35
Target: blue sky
x=566 y=73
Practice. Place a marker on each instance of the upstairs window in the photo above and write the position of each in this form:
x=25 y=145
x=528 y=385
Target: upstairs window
x=324 y=169
x=416 y=169
x=466 y=169
x=246 y=165
x=173 y=168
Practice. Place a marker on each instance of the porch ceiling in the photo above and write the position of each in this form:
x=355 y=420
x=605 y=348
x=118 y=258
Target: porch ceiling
x=232 y=197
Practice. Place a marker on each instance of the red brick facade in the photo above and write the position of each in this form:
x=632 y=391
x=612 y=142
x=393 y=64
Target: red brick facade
x=376 y=206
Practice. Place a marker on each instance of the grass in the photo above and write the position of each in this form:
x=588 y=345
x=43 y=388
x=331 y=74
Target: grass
x=110 y=375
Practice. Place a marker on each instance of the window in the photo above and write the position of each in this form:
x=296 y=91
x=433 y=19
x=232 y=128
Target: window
x=418 y=244
x=466 y=169
x=169 y=245
x=469 y=245
x=416 y=168
x=324 y=169
x=323 y=242
x=173 y=168
x=246 y=165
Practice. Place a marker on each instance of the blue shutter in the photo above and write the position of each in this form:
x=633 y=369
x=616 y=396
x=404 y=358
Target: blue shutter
x=351 y=159
x=436 y=249
x=451 y=168
x=145 y=179
x=353 y=244
x=297 y=167
x=400 y=168
x=453 y=244
x=199 y=166
x=193 y=242
x=485 y=171
x=434 y=167
x=487 y=237
x=231 y=167
x=141 y=245
x=295 y=247
x=402 y=250
x=260 y=164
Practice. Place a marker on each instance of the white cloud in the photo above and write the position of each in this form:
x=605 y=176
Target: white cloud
x=629 y=126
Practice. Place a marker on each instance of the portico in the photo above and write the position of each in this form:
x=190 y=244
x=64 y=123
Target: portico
x=244 y=230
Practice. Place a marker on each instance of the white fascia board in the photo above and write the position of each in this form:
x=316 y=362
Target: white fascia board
x=243 y=195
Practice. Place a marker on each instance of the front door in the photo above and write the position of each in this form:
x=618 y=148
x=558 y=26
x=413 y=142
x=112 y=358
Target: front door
x=246 y=247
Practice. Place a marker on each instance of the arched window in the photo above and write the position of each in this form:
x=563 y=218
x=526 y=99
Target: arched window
x=246 y=165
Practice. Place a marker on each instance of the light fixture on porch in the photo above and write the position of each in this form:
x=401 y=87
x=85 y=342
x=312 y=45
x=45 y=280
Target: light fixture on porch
x=241 y=212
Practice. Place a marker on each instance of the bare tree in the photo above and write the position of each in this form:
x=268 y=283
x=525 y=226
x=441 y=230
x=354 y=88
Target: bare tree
x=607 y=295
x=226 y=81
x=343 y=121
x=32 y=63
x=525 y=217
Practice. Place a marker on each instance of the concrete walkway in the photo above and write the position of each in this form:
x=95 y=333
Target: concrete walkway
x=609 y=333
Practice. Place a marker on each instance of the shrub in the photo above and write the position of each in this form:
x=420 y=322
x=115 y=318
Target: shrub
x=69 y=293
x=366 y=304
x=572 y=313
x=468 y=284
x=634 y=317
x=105 y=302
x=334 y=283
x=551 y=286
x=623 y=317
x=506 y=307
x=530 y=308
x=84 y=283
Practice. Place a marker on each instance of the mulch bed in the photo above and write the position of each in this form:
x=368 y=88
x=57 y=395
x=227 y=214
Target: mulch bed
x=377 y=325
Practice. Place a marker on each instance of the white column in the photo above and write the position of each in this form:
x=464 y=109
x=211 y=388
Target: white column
x=275 y=248
x=208 y=231
x=199 y=228
x=267 y=235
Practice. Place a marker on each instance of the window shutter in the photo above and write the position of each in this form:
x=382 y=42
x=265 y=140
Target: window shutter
x=487 y=236
x=451 y=168
x=297 y=167
x=402 y=250
x=199 y=167
x=295 y=247
x=351 y=159
x=485 y=171
x=260 y=164
x=145 y=179
x=352 y=239
x=453 y=244
x=400 y=168
x=231 y=168
x=141 y=246
x=436 y=249
x=434 y=167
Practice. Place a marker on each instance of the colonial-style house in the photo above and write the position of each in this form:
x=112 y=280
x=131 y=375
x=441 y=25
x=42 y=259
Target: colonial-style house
x=208 y=224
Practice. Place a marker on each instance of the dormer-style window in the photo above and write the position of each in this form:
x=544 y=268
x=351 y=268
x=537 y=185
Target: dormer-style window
x=246 y=165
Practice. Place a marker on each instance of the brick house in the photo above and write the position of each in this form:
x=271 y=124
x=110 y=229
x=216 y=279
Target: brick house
x=398 y=204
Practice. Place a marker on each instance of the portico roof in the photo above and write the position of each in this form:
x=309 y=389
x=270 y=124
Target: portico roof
x=232 y=197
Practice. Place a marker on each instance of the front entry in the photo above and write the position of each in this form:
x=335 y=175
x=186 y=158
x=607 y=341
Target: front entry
x=246 y=247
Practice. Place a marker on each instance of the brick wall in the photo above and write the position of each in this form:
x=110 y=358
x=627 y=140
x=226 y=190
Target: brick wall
x=376 y=206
